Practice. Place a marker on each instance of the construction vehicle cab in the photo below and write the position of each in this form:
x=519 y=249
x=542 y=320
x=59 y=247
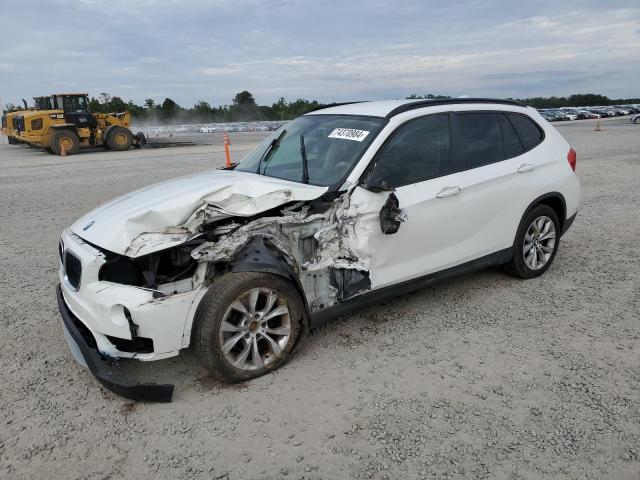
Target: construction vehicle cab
x=63 y=123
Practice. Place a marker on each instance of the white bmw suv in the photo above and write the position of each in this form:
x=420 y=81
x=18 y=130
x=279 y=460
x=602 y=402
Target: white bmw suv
x=341 y=207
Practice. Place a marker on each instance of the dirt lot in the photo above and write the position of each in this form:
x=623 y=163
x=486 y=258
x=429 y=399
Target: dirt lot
x=480 y=377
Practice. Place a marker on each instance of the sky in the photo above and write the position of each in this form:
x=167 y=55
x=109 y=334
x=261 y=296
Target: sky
x=328 y=50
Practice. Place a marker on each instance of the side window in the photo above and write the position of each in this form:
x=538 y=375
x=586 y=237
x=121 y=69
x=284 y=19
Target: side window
x=528 y=131
x=419 y=150
x=481 y=138
x=512 y=145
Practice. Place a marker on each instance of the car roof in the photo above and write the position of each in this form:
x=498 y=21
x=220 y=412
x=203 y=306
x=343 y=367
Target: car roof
x=390 y=108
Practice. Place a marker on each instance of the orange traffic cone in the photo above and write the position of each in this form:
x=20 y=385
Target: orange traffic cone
x=597 y=129
x=227 y=152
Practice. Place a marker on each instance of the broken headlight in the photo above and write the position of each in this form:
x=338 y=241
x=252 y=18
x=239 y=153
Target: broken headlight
x=151 y=270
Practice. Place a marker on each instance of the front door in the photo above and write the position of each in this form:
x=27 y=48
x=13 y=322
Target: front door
x=417 y=162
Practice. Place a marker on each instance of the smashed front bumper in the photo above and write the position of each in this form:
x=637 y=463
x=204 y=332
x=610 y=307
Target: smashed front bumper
x=83 y=348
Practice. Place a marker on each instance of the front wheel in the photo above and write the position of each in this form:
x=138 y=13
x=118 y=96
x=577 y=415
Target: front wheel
x=536 y=243
x=637 y=120
x=119 y=139
x=247 y=325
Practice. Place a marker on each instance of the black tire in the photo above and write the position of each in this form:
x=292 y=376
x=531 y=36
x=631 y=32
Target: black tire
x=119 y=139
x=517 y=266
x=66 y=137
x=637 y=120
x=209 y=316
x=140 y=140
x=13 y=141
x=48 y=150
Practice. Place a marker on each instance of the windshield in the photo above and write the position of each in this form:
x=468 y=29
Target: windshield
x=74 y=103
x=333 y=144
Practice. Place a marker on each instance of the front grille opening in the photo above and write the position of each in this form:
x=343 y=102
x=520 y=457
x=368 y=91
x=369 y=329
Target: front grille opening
x=137 y=345
x=72 y=269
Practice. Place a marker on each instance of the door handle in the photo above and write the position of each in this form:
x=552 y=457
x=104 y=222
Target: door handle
x=448 y=192
x=526 y=167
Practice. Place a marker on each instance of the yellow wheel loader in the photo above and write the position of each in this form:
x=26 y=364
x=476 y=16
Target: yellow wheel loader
x=8 y=129
x=62 y=124
x=10 y=123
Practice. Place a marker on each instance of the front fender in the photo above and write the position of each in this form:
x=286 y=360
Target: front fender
x=259 y=255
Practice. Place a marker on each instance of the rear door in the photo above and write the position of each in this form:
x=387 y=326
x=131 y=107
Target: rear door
x=499 y=179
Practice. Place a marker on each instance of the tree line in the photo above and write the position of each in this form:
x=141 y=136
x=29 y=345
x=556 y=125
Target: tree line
x=245 y=108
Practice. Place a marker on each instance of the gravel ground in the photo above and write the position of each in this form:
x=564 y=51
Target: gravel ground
x=479 y=377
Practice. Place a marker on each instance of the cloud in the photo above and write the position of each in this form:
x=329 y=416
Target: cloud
x=331 y=51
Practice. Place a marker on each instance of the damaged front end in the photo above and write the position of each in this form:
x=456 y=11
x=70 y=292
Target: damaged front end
x=138 y=299
x=319 y=245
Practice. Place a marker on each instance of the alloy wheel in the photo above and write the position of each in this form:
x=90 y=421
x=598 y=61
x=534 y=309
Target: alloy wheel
x=539 y=243
x=255 y=329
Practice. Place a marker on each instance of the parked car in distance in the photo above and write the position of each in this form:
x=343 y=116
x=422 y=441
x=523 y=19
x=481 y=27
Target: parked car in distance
x=572 y=113
x=548 y=116
x=560 y=114
x=341 y=207
x=622 y=110
x=587 y=114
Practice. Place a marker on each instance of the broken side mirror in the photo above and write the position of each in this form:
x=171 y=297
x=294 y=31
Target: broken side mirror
x=391 y=215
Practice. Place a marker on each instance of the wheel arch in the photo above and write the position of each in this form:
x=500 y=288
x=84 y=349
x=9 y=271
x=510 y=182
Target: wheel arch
x=554 y=200
x=261 y=255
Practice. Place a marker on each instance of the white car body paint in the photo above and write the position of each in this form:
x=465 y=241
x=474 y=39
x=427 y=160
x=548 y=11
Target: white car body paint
x=157 y=217
x=437 y=232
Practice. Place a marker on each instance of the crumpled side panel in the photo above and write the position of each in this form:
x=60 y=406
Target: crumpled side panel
x=328 y=250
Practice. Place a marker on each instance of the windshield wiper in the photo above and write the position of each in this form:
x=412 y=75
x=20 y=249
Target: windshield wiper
x=271 y=148
x=305 y=165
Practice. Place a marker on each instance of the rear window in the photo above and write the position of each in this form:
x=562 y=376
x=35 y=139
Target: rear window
x=529 y=133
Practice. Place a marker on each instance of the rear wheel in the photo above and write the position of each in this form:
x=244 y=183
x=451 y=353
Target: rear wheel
x=12 y=141
x=247 y=325
x=119 y=138
x=64 y=140
x=536 y=243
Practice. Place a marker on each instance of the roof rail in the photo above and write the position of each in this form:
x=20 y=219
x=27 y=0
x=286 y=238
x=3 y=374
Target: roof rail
x=330 y=105
x=429 y=103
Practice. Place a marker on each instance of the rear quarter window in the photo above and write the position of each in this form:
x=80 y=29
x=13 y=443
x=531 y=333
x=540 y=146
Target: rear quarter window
x=512 y=145
x=528 y=131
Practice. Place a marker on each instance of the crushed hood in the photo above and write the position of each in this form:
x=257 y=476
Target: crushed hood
x=168 y=213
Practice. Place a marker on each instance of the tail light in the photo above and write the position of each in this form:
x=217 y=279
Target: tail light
x=571 y=157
